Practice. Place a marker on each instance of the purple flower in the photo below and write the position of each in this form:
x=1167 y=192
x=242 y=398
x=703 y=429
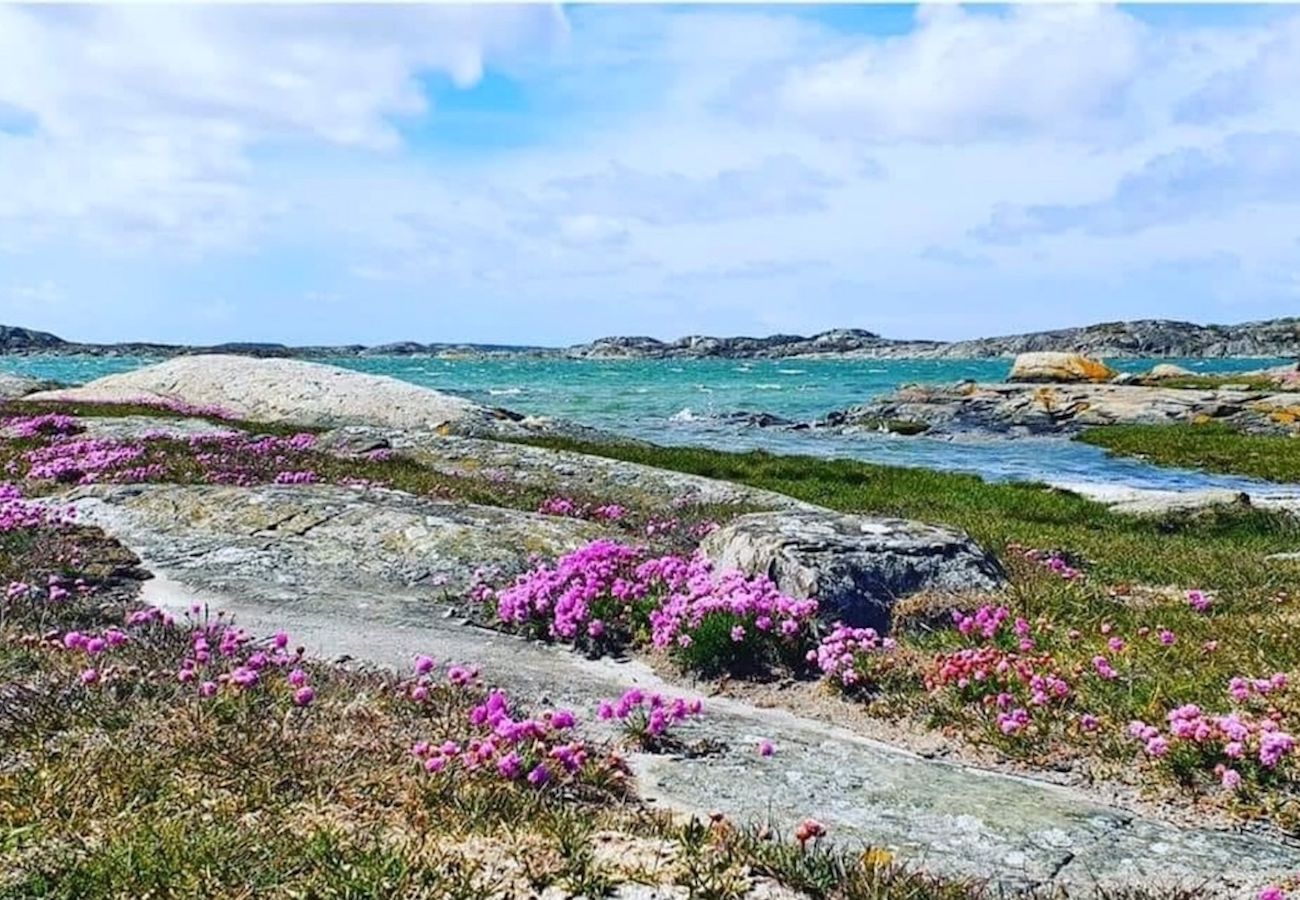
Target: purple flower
x=304 y=696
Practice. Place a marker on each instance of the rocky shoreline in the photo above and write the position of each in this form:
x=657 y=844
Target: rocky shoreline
x=376 y=573
x=1144 y=338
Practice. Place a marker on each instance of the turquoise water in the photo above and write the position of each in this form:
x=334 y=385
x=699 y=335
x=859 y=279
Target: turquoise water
x=686 y=402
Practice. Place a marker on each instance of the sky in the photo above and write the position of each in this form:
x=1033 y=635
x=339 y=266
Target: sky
x=549 y=175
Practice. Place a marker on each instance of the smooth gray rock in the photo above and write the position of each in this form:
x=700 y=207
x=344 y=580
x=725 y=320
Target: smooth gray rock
x=286 y=543
x=284 y=390
x=857 y=567
x=558 y=471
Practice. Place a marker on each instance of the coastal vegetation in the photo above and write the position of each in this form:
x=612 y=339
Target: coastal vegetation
x=1153 y=651
x=146 y=755
x=1211 y=446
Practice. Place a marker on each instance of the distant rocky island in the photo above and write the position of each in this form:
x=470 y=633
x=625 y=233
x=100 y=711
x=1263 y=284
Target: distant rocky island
x=1138 y=338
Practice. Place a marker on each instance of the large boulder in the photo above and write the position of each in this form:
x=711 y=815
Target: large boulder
x=1049 y=366
x=1161 y=371
x=285 y=391
x=858 y=567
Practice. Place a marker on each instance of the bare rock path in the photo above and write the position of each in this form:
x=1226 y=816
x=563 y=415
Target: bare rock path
x=335 y=567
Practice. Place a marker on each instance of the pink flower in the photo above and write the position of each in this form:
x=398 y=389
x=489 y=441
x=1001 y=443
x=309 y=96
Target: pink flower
x=766 y=748
x=1230 y=779
x=1198 y=601
x=424 y=665
x=1103 y=667
x=1089 y=722
x=738 y=633
x=435 y=764
x=208 y=688
x=303 y=696
x=1272 y=892
x=1167 y=637
x=297 y=678
x=539 y=775
x=89 y=676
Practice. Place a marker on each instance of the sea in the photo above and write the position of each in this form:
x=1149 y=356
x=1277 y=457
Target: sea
x=695 y=402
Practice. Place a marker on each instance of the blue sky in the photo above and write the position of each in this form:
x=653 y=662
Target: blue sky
x=549 y=175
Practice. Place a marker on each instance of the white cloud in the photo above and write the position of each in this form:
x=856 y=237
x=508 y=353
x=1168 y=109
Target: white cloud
x=146 y=117
x=684 y=168
x=1040 y=70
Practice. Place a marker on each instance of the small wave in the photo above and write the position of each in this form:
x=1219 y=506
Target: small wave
x=793 y=371
x=686 y=414
x=705 y=388
x=505 y=392
x=769 y=387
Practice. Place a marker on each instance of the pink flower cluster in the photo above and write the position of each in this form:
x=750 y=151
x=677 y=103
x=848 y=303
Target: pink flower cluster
x=754 y=607
x=1242 y=689
x=579 y=595
x=1199 y=601
x=45 y=425
x=81 y=461
x=421 y=688
x=538 y=750
x=839 y=655
x=648 y=717
x=1228 y=743
x=570 y=508
x=1052 y=561
x=19 y=514
x=303 y=477
x=1012 y=684
x=220 y=656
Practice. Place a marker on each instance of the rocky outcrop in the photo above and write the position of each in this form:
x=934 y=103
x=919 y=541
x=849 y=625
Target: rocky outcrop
x=1145 y=338
x=857 y=567
x=14 y=386
x=556 y=471
x=1058 y=368
x=1141 y=338
x=285 y=391
x=289 y=542
x=1065 y=408
x=1162 y=371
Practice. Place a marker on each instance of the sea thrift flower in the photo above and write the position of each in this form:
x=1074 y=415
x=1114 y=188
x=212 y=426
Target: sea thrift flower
x=304 y=696
x=766 y=748
x=424 y=665
x=297 y=678
x=1198 y=601
x=1167 y=637
x=89 y=676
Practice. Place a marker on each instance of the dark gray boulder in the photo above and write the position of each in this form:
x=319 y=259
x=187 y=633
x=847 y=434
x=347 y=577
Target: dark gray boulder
x=857 y=566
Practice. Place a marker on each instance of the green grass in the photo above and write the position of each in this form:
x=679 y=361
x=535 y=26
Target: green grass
x=1212 y=446
x=1136 y=569
x=1215 y=382
x=1221 y=547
